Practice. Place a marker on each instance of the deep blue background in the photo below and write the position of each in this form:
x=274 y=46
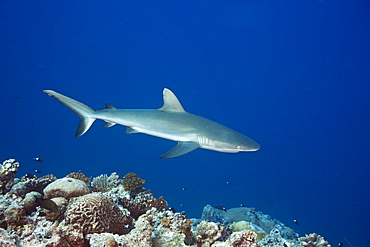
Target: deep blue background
x=292 y=75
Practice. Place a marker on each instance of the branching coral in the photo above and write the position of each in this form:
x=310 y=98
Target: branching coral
x=96 y=213
x=103 y=183
x=80 y=176
x=314 y=240
x=132 y=183
x=142 y=202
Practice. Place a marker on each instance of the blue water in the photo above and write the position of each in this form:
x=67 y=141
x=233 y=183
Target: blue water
x=292 y=75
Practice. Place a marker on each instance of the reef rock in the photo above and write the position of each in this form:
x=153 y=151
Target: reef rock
x=67 y=188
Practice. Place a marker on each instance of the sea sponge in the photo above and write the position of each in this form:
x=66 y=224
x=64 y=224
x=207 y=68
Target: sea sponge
x=240 y=226
x=131 y=182
x=314 y=240
x=67 y=188
x=96 y=213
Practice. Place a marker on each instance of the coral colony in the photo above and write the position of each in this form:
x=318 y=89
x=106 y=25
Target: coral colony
x=109 y=211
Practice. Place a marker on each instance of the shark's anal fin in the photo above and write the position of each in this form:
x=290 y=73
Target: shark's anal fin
x=130 y=130
x=180 y=149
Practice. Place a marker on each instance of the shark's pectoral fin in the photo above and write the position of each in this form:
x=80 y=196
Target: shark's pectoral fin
x=180 y=149
x=130 y=130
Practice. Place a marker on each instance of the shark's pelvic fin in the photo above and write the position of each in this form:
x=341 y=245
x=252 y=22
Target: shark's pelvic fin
x=180 y=149
x=170 y=102
x=85 y=113
x=109 y=124
x=130 y=130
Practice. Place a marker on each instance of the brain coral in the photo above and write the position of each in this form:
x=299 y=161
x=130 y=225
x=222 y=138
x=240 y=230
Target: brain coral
x=96 y=213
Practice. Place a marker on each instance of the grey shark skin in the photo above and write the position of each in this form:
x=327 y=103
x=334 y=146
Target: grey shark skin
x=170 y=121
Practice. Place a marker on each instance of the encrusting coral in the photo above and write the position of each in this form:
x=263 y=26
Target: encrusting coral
x=314 y=240
x=7 y=172
x=96 y=213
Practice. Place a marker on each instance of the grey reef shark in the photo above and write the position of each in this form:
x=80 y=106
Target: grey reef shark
x=170 y=121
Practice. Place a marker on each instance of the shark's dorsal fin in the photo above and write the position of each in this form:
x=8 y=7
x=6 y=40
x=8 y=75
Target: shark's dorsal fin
x=109 y=106
x=170 y=102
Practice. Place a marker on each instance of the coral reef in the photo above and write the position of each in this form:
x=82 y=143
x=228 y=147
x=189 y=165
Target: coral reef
x=8 y=169
x=96 y=213
x=131 y=182
x=67 y=188
x=314 y=240
x=63 y=212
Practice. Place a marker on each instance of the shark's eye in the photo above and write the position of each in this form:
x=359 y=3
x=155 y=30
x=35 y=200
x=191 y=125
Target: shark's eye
x=239 y=147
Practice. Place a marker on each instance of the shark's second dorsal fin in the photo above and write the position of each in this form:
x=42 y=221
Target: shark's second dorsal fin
x=170 y=102
x=109 y=106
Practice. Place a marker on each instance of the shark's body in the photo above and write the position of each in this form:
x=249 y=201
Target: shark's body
x=170 y=121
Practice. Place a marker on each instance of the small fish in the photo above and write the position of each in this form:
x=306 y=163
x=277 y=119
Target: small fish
x=37 y=171
x=16 y=97
x=47 y=204
x=29 y=175
x=242 y=205
x=172 y=209
x=340 y=244
x=38 y=159
x=296 y=222
x=221 y=208
x=183 y=189
x=227 y=182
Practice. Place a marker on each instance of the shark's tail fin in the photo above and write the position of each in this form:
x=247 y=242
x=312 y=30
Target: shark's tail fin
x=85 y=113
